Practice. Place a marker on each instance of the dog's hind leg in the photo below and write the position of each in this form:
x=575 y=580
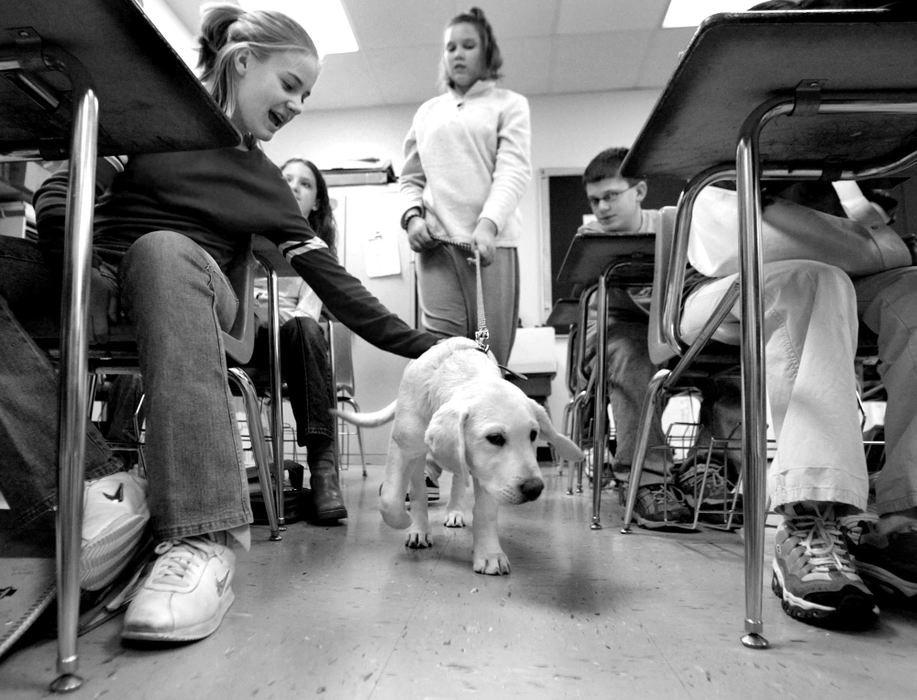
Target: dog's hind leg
x=454 y=515
x=488 y=556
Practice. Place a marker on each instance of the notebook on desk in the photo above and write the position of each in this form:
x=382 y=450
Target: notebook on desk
x=590 y=253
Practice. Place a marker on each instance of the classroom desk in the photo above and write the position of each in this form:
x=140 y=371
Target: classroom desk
x=82 y=78
x=804 y=94
x=609 y=260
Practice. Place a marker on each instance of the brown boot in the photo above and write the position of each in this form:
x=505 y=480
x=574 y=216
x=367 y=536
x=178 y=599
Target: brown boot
x=326 y=485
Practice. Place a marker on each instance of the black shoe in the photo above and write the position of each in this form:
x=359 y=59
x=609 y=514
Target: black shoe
x=327 y=500
x=432 y=488
x=887 y=563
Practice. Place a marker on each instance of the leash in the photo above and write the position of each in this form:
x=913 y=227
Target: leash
x=481 y=335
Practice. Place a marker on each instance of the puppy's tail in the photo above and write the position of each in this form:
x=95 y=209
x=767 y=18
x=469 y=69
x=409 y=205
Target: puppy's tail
x=368 y=420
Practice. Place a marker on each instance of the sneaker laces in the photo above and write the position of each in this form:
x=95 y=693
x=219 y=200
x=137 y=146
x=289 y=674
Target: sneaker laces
x=176 y=558
x=716 y=481
x=666 y=495
x=823 y=542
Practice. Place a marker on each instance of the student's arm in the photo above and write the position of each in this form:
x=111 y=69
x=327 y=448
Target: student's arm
x=350 y=302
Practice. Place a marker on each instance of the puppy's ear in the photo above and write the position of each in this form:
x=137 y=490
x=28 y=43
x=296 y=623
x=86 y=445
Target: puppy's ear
x=445 y=436
x=565 y=447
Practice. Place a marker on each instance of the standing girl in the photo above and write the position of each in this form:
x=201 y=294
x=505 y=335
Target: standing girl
x=466 y=168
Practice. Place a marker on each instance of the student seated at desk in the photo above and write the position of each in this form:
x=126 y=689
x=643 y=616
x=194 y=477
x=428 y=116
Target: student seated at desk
x=166 y=231
x=818 y=480
x=616 y=203
x=304 y=359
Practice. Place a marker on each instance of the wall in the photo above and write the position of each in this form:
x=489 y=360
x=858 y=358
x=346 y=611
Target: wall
x=567 y=131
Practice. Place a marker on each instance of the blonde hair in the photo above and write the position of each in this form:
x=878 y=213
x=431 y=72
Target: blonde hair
x=228 y=29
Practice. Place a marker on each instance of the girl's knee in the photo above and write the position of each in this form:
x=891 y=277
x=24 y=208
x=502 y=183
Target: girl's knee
x=304 y=328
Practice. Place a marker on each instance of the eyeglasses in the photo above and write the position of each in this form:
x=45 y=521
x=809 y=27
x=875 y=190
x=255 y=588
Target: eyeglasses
x=611 y=197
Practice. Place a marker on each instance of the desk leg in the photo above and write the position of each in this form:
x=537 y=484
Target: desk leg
x=600 y=419
x=74 y=382
x=754 y=446
x=276 y=396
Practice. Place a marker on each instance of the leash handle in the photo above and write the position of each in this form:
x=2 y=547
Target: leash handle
x=482 y=335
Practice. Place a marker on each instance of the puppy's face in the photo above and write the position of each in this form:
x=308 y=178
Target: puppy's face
x=500 y=450
x=491 y=433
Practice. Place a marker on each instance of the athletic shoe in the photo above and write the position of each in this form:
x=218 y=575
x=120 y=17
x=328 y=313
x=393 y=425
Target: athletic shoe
x=185 y=595
x=432 y=488
x=115 y=514
x=814 y=575
x=661 y=506
x=610 y=470
x=709 y=491
x=704 y=483
x=888 y=563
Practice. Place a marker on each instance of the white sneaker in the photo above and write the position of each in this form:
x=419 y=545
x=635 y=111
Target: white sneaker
x=115 y=513
x=186 y=595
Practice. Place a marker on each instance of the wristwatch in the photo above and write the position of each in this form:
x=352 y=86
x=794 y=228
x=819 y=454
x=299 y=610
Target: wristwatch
x=410 y=214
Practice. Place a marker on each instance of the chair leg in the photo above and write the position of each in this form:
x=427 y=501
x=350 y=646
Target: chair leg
x=576 y=423
x=566 y=427
x=137 y=421
x=276 y=423
x=650 y=404
x=253 y=415
x=344 y=399
x=360 y=440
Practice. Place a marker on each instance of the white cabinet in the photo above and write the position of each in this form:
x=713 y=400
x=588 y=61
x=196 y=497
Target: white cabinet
x=372 y=245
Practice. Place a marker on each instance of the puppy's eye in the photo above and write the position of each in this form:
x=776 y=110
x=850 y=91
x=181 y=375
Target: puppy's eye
x=496 y=439
x=533 y=435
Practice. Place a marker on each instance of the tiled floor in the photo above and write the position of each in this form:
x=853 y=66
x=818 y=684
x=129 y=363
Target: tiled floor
x=348 y=612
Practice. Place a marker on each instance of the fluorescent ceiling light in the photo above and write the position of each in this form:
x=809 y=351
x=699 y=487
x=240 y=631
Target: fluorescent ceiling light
x=325 y=20
x=690 y=13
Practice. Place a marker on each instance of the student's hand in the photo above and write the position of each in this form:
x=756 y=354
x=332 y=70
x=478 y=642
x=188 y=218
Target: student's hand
x=485 y=236
x=419 y=237
x=103 y=303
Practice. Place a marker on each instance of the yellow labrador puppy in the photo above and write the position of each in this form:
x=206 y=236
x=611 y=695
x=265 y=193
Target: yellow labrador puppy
x=454 y=405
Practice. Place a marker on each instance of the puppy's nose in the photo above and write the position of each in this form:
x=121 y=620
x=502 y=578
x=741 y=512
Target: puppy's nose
x=531 y=488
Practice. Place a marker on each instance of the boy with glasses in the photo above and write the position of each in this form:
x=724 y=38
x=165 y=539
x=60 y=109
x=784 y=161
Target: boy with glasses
x=616 y=203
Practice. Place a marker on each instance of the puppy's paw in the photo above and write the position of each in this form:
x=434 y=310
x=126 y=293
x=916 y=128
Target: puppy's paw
x=418 y=540
x=454 y=518
x=491 y=563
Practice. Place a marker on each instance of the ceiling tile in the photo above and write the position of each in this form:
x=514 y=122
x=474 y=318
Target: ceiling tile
x=393 y=23
x=527 y=65
x=512 y=19
x=590 y=16
x=592 y=62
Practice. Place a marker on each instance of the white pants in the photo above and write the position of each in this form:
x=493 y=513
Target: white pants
x=810 y=335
